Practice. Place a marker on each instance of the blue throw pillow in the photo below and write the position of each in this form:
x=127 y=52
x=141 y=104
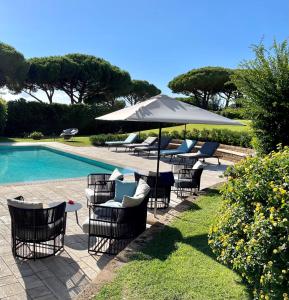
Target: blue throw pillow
x=124 y=188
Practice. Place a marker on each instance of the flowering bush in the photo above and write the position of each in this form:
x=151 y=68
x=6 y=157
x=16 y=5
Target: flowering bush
x=251 y=231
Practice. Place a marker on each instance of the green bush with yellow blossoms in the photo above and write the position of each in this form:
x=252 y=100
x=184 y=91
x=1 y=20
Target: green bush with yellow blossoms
x=251 y=231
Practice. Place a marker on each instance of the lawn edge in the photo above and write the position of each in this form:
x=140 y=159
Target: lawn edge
x=108 y=273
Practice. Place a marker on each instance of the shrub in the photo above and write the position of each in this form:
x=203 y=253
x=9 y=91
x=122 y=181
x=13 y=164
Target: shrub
x=233 y=112
x=251 y=231
x=100 y=139
x=224 y=136
x=36 y=135
x=3 y=115
x=264 y=82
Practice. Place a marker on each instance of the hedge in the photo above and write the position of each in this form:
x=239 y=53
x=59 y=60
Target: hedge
x=25 y=117
x=3 y=114
x=223 y=136
x=250 y=233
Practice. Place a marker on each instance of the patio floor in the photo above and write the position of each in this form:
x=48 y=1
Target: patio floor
x=65 y=275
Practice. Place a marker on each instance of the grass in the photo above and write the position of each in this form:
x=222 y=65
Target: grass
x=178 y=263
x=180 y=128
x=79 y=141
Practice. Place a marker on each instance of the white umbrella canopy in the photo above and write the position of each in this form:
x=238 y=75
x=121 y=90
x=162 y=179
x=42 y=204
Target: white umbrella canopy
x=164 y=109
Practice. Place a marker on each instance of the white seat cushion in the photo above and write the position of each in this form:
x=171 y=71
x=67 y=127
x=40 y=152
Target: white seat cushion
x=89 y=193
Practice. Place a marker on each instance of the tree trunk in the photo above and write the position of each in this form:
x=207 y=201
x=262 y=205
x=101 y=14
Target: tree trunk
x=28 y=93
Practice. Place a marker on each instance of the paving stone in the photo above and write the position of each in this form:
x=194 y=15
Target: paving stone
x=38 y=292
x=7 y=280
x=11 y=290
x=30 y=282
x=4 y=270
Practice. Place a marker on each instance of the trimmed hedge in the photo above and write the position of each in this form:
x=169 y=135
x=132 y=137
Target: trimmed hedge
x=3 y=115
x=223 y=136
x=233 y=113
x=100 y=139
x=250 y=233
x=25 y=117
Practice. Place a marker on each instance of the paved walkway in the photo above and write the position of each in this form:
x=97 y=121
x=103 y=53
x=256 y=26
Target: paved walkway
x=64 y=276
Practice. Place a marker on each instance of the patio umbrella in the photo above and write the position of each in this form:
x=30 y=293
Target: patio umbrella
x=162 y=109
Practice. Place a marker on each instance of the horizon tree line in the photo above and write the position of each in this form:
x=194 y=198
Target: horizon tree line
x=92 y=80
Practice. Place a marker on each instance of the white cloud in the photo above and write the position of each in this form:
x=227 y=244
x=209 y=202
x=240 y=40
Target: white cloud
x=58 y=97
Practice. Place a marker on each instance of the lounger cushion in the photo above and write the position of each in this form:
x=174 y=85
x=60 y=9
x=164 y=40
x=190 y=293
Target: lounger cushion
x=26 y=205
x=124 y=188
x=116 y=174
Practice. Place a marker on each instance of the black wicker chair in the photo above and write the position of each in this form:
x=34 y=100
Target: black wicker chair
x=110 y=229
x=37 y=232
x=188 y=179
x=99 y=188
x=163 y=192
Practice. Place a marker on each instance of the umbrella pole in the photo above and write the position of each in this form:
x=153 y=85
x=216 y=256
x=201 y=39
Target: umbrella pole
x=158 y=169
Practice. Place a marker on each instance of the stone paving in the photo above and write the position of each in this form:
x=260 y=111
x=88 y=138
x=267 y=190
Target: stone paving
x=65 y=275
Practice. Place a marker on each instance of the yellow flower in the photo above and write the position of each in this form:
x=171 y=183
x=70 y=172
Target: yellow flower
x=270 y=263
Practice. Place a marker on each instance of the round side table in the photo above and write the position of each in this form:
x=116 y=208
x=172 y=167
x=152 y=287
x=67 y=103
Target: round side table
x=69 y=208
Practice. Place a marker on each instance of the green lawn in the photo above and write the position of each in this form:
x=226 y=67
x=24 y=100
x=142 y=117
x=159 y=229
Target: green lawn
x=207 y=126
x=82 y=141
x=178 y=263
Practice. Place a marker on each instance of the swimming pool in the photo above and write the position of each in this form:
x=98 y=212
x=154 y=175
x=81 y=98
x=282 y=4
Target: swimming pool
x=34 y=163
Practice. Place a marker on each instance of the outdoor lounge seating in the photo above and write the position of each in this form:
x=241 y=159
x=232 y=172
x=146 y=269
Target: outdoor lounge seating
x=165 y=140
x=207 y=150
x=101 y=187
x=112 y=225
x=130 y=139
x=147 y=142
x=69 y=133
x=187 y=179
x=163 y=192
x=185 y=147
x=37 y=232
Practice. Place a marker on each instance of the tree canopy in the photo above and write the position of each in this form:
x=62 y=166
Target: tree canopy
x=13 y=68
x=141 y=90
x=205 y=85
x=264 y=82
x=44 y=74
x=84 y=78
x=89 y=79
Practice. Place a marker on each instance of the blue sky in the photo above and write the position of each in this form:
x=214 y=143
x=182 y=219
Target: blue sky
x=154 y=40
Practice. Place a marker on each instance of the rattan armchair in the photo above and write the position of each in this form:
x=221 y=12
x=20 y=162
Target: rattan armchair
x=110 y=229
x=37 y=232
x=99 y=188
x=163 y=191
x=187 y=180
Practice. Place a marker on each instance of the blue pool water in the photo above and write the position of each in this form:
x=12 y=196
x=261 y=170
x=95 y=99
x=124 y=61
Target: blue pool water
x=32 y=163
